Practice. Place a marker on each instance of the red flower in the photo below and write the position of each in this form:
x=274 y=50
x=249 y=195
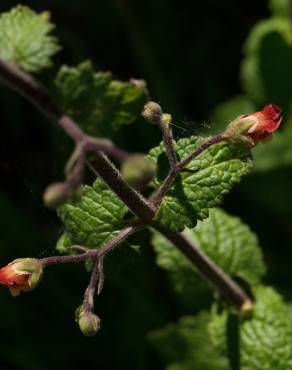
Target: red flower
x=266 y=122
x=21 y=275
x=255 y=127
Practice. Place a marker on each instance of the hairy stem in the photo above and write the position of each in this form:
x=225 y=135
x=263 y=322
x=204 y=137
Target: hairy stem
x=211 y=141
x=158 y=196
x=97 y=254
x=179 y=167
x=231 y=291
x=168 y=143
x=88 y=301
x=30 y=89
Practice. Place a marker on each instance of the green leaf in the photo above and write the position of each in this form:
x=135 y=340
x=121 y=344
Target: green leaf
x=25 y=39
x=98 y=103
x=277 y=154
x=225 y=239
x=94 y=219
x=216 y=171
x=186 y=346
x=264 y=75
x=280 y=8
x=266 y=338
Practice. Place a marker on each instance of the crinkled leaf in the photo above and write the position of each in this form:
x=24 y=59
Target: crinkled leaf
x=264 y=75
x=94 y=219
x=216 y=170
x=186 y=346
x=25 y=38
x=265 y=338
x=225 y=239
x=98 y=103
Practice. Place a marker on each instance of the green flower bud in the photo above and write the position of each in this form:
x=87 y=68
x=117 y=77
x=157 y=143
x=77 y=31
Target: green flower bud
x=152 y=112
x=59 y=193
x=56 y=194
x=88 y=322
x=138 y=170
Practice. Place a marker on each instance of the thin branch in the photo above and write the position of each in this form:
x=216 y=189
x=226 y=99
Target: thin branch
x=211 y=141
x=217 y=277
x=34 y=92
x=108 y=148
x=179 y=167
x=158 y=196
x=100 y=275
x=168 y=142
x=88 y=301
x=30 y=89
x=100 y=253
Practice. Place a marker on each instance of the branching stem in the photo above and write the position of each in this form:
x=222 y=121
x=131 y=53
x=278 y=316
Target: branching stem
x=30 y=89
x=180 y=166
x=96 y=254
x=139 y=206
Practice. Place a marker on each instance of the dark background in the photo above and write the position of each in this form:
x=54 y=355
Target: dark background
x=189 y=53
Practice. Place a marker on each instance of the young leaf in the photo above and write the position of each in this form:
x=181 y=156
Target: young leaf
x=225 y=239
x=216 y=170
x=186 y=346
x=25 y=39
x=265 y=338
x=94 y=219
x=98 y=103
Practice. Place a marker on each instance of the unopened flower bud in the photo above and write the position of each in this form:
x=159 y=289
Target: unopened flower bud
x=138 y=170
x=56 y=194
x=21 y=275
x=59 y=193
x=152 y=112
x=88 y=322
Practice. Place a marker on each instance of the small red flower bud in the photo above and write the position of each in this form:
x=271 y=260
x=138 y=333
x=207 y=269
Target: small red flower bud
x=21 y=275
x=255 y=127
